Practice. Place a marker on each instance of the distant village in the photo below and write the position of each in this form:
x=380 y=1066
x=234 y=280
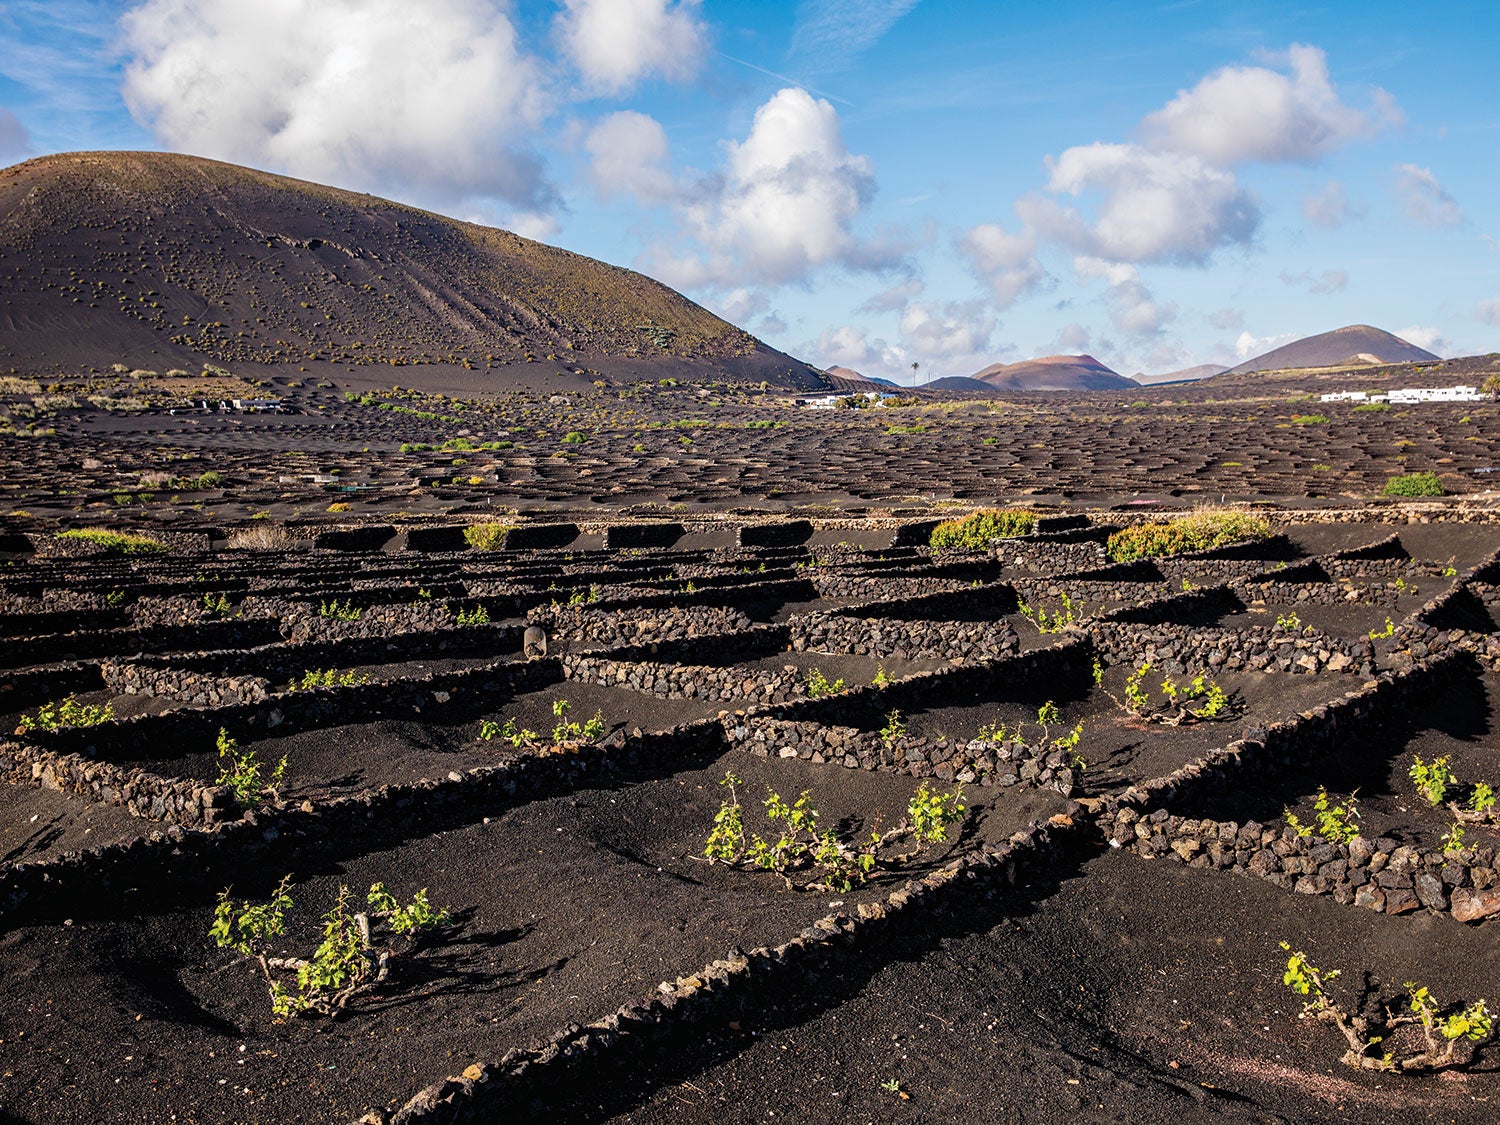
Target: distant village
x=1410 y=395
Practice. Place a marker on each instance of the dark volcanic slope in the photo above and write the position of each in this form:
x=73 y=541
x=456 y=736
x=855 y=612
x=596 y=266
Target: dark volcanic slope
x=1343 y=347
x=158 y=258
x=1054 y=373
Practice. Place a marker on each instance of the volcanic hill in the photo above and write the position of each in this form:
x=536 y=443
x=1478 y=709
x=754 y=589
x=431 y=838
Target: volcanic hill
x=1350 y=346
x=160 y=259
x=1054 y=373
x=1186 y=375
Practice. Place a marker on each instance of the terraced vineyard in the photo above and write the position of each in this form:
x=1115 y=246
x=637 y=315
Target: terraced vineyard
x=1100 y=926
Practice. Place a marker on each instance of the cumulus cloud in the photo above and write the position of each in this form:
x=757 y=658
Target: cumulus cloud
x=1071 y=339
x=740 y=305
x=1329 y=281
x=1329 y=206
x=1155 y=206
x=1132 y=308
x=1424 y=199
x=1004 y=261
x=1425 y=336
x=628 y=155
x=846 y=345
x=784 y=205
x=15 y=141
x=1489 y=311
x=1249 y=345
x=1171 y=195
x=947 y=334
x=435 y=100
x=1254 y=113
x=616 y=44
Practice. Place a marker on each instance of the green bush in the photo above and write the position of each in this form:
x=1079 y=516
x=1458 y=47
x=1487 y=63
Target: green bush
x=974 y=533
x=1200 y=531
x=1413 y=484
x=116 y=542
x=487 y=536
x=1309 y=419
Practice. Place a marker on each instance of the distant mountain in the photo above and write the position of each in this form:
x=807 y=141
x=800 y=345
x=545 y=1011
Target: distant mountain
x=1054 y=373
x=962 y=384
x=854 y=380
x=163 y=260
x=1186 y=375
x=1343 y=347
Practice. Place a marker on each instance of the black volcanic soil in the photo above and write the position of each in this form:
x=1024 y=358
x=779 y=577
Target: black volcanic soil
x=1127 y=992
x=614 y=903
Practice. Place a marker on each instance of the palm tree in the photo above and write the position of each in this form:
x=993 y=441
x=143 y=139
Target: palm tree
x=914 y=367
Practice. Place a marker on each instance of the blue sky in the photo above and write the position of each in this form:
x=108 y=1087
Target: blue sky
x=865 y=182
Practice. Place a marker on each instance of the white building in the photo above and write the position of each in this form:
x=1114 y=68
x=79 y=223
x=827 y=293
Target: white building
x=1439 y=394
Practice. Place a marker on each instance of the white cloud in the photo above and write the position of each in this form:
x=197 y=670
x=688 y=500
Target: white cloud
x=1006 y=262
x=831 y=34
x=1172 y=196
x=377 y=94
x=1227 y=319
x=617 y=43
x=1253 y=113
x=1424 y=199
x=628 y=155
x=784 y=205
x=952 y=336
x=740 y=305
x=1329 y=281
x=1132 y=308
x=1071 y=339
x=1489 y=311
x=14 y=140
x=894 y=299
x=1427 y=337
x=1248 y=346
x=1329 y=206
x=846 y=345
x=1156 y=206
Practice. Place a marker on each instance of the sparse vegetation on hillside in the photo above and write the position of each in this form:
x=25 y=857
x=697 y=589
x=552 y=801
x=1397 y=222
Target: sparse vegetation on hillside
x=1200 y=531
x=977 y=531
x=1414 y=484
x=114 y=542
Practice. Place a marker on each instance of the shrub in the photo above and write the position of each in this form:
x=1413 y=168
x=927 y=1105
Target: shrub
x=1200 y=531
x=476 y=616
x=336 y=611
x=1200 y=699
x=819 y=685
x=66 y=713
x=265 y=537
x=329 y=677
x=840 y=863
x=487 y=536
x=353 y=956
x=1413 y=484
x=1442 y=1035
x=115 y=542
x=1309 y=419
x=1335 y=822
x=574 y=437
x=240 y=770
x=975 y=532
